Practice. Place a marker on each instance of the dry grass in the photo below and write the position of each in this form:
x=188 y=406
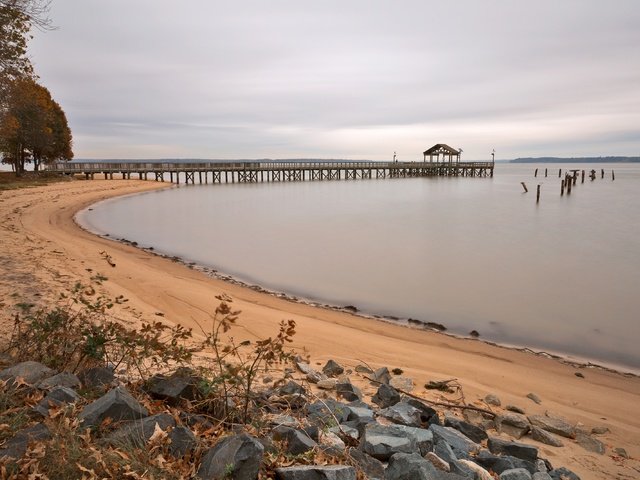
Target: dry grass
x=9 y=181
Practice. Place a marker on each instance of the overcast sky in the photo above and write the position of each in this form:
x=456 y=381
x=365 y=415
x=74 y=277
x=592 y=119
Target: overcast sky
x=344 y=79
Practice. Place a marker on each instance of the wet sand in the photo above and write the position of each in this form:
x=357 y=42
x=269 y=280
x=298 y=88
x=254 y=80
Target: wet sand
x=44 y=251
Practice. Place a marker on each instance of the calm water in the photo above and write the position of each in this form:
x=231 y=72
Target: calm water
x=469 y=253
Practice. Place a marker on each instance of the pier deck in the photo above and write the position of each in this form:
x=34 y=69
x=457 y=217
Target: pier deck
x=254 y=172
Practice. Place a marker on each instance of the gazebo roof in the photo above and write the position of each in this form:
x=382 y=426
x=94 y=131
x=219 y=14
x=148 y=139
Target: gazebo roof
x=441 y=148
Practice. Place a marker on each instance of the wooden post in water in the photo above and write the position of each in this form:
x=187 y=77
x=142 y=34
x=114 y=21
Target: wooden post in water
x=575 y=178
x=524 y=185
x=545 y=173
x=602 y=173
x=613 y=175
x=562 y=187
x=559 y=172
x=535 y=174
x=538 y=194
x=582 y=176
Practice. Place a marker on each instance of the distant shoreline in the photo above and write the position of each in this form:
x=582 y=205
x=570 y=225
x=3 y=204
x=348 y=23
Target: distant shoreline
x=576 y=160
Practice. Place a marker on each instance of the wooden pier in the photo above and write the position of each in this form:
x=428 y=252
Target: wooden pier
x=266 y=171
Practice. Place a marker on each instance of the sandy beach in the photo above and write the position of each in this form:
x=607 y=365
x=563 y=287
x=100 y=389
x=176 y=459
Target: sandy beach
x=44 y=251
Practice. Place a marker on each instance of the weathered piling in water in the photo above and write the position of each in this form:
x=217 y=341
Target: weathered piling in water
x=524 y=185
x=562 y=187
x=569 y=181
x=613 y=175
x=538 y=194
x=559 y=172
x=535 y=174
x=592 y=175
x=602 y=173
x=582 y=176
x=545 y=173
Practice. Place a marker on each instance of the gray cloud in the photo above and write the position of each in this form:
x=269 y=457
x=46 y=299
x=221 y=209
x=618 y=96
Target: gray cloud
x=355 y=79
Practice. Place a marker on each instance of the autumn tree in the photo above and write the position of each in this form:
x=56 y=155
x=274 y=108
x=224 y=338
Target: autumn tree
x=33 y=127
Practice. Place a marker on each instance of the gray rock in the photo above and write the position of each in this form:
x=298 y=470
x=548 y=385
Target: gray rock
x=17 y=446
x=515 y=449
x=317 y=377
x=515 y=474
x=30 y=372
x=402 y=383
x=535 y=398
x=503 y=462
x=327 y=384
x=601 y=430
x=372 y=468
x=382 y=441
x=305 y=368
x=348 y=391
x=404 y=466
x=360 y=414
x=515 y=409
x=479 y=419
x=57 y=397
x=297 y=441
x=138 y=432
x=346 y=431
x=117 y=404
x=382 y=375
x=182 y=440
x=621 y=452
x=292 y=388
x=97 y=377
x=332 y=369
x=563 y=474
x=364 y=370
x=478 y=473
x=461 y=445
x=513 y=424
x=437 y=462
x=492 y=399
x=403 y=414
x=545 y=437
x=328 y=413
x=237 y=457
x=64 y=379
x=590 y=444
x=555 y=425
x=444 y=451
x=476 y=434
x=427 y=414
x=386 y=396
x=541 y=476
x=316 y=472
x=181 y=385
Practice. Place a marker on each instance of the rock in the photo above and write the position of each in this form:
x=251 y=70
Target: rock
x=348 y=391
x=405 y=466
x=545 y=437
x=382 y=441
x=292 y=388
x=515 y=474
x=461 y=445
x=332 y=369
x=237 y=457
x=346 y=430
x=437 y=462
x=372 y=468
x=96 y=377
x=402 y=383
x=474 y=333
x=513 y=424
x=17 y=446
x=403 y=414
x=181 y=385
x=57 y=397
x=138 y=432
x=479 y=472
x=382 y=375
x=297 y=441
x=515 y=409
x=30 y=372
x=386 y=396
x=492 y=399
x=182 y=440
x=117 y=404
x=555 y=425
x=198 y=422
x=534 y=397
x=600 y=430
x=316 y=377
x=64 y=379
x=590 y=444
x=305 y=367
x=502 y=463
x=332 y=442
x=364 y=370
x=563 y=474
x=476 y=434
x=515 y=449
x=428 y=415
x=621 y=452
x=281 y=419
x=316 y=472
x=444 y=451
x=362 y=414
x=479 y=419
x=328 y=384
x=541 y=476
x=327 y=413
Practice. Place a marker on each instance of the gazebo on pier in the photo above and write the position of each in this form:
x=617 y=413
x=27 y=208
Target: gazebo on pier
x=449 y=154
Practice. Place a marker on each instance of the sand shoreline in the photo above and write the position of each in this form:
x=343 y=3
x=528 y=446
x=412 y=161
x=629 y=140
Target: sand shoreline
x=214 y=272
x=44 y=250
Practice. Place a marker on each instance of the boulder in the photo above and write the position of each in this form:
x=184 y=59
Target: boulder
x=330 y=442
x=372 y=468
x=409 y=466
x=382 y=375
x=545 y=437
x=535 y=398
x=31 y=372
x=513 y=424
x=57 y=397
x=327 y=384
x=473 y=432
x=437 y=462
x=386 y=396
x=348 y=391
x=182 y=440
x=402 y=413
x=181 y=385
x=515 y=474
x=117 y=404
x=64 y=379
x=621 y=452
x=541 y=476
x=138 y=432
x=479 y=473
x=17 y=445
x=503 y=462
x=237 y=457
x=556 y=425
x=96 y=377
x=359 y=414
x=590 y=444
x=563 y=473
x=427 y=414
x=514 y=409
x=297 y=441
x=492 y=399
x=382 y=441
x=461 y=445
x=402 y=383
x=327 y=412
x=515 y=449
x=332 y=369
x=291 y=388
x=316 y=472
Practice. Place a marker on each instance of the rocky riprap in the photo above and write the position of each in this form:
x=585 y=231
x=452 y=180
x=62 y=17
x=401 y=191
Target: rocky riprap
x=391 y=435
